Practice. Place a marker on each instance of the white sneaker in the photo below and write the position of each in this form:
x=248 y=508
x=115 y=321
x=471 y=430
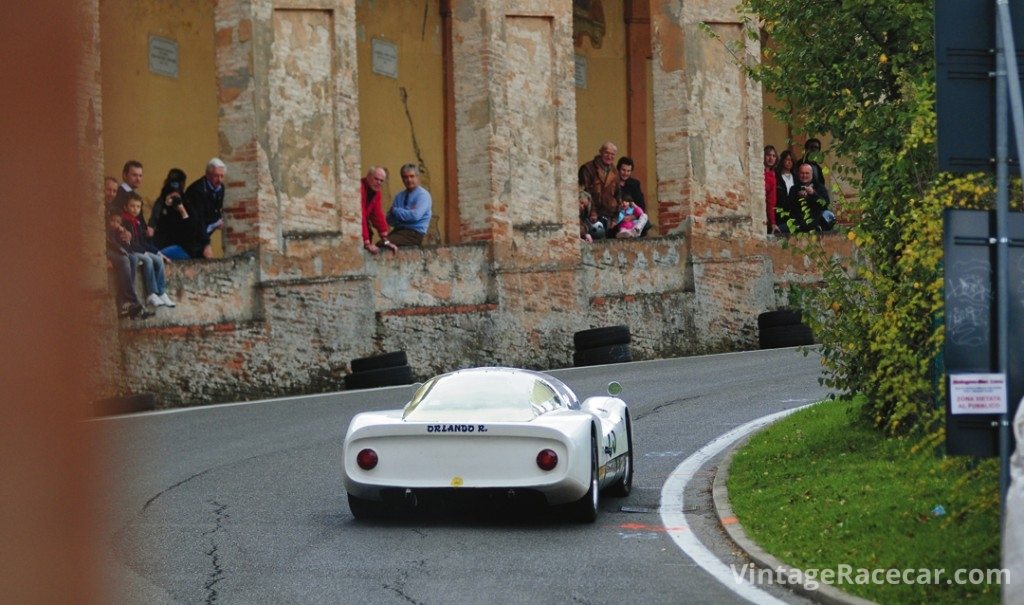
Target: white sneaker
x=167 y=300
x=155 y=300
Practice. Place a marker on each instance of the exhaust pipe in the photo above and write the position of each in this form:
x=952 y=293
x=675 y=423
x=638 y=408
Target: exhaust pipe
x=410 y=498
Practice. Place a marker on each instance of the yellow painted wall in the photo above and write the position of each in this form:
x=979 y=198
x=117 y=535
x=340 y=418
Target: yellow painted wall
x=776 y=132
x=601 y=106
x=601 y=113
x=163 y=122
x=387 y=131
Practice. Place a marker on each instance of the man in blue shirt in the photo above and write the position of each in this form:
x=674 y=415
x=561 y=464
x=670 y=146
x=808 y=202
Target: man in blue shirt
x=409 y=216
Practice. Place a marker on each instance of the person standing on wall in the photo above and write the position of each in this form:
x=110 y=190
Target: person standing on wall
x=372 y=209
x=205 y=198
x=409 y=215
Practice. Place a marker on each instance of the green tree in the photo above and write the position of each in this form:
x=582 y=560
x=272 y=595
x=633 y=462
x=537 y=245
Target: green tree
x=862 y=71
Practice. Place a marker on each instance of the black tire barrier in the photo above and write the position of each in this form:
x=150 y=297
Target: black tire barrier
x=376 y=362
x=125 y=404
x=380 y=377
x=781 y=317
x=618 y=353
x=596 y=337
x=778 y=337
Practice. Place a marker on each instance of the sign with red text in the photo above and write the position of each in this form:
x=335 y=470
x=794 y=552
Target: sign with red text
x=977 y=393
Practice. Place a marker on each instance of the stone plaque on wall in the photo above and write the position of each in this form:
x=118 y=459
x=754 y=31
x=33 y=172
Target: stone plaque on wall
x=163 y=56
x=385 y=58
x=581 y=70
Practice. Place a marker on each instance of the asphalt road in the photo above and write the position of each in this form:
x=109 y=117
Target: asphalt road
x=244 y=503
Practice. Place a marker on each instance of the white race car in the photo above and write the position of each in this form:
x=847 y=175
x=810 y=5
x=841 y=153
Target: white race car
x=495 y=432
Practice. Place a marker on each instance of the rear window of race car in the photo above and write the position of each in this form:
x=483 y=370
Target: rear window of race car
x=503 y=397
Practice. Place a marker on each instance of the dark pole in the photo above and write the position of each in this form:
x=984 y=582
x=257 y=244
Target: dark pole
x=1007 y=76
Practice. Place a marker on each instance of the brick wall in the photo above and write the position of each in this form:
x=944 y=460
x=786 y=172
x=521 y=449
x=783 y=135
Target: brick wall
x=107 y=377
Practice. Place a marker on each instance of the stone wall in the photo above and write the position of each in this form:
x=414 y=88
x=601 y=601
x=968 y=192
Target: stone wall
x=233 y=337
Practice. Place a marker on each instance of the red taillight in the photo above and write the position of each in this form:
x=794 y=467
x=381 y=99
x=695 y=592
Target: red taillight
x=547 y=460
x=366 y=459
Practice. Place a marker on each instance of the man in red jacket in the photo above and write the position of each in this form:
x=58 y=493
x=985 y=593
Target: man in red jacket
x=372 y=210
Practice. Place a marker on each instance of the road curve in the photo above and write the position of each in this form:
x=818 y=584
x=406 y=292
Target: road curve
x=244 y=504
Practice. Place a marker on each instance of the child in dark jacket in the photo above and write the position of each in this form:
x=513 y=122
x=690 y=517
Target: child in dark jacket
x=128 y=304
x=142 y=251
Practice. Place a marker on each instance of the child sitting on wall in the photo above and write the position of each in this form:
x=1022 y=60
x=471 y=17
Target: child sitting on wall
x=630 y=220
x=144 y=252
x=587 y=218
x=121 y=262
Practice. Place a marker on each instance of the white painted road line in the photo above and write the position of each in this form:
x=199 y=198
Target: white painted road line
x=674 y=520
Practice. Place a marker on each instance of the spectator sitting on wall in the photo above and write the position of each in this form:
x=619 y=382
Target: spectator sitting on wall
x=175 y=182
x=807 y=203
x=131 y=180
x=812 y=154
x=118 y=238
x=784 y=181
x=205 y=202
x=409 y=215
x=175 y=231
x=180 y=230
x=631 y=186
x=144 y=253
x=630 y=220
x=628 y=184
x=110 y=187
x=599 y=178
x=372 y=209
x=771 y=194
x=585 y=224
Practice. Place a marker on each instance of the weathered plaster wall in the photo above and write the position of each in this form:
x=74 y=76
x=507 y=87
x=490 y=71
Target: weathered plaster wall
x=708 y=119
x=234 y=46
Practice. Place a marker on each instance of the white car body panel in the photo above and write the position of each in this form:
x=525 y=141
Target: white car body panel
x=480 y=452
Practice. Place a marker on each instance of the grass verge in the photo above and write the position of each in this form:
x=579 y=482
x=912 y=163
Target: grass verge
x=819 y=490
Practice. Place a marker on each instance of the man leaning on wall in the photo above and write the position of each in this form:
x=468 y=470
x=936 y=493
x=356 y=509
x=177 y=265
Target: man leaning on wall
x=409 y=215
x=206 y=197
x=372 y=209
